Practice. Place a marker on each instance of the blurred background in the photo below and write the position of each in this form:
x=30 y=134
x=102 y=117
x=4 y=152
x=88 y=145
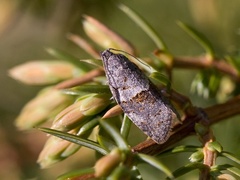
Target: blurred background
x=27 y=28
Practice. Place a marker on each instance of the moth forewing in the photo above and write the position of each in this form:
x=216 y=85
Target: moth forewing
x=138 y=97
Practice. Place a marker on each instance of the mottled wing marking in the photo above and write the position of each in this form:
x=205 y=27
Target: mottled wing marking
x=140 y=100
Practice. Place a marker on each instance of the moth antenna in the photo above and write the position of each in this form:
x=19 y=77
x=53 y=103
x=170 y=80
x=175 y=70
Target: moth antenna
x=138 y=59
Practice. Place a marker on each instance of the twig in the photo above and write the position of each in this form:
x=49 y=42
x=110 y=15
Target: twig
x=206 y=136
x=203 y=62
x=83 y=44
x=80 y=80
x=209 y=156
x=199 y=62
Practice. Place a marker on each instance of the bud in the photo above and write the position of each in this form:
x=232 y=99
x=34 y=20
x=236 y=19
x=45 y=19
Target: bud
x=225 y=177
x=46 y=104
x=68 y=118
x=104 y=36
x=94 y=103
x=214 y=146
x=114 y=111
x=108 y=163
x=197 y=156
x=43 y=72
x=56 y=150
x=83 y=109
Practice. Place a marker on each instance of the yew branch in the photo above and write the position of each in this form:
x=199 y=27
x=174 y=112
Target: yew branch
x=203 y=62
x=80 y=80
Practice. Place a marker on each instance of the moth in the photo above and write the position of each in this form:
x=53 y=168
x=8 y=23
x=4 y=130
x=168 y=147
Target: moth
x=138 y=97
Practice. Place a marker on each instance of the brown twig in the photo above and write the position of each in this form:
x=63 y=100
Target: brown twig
x=206 y=136
x=203 y=62
x=199 y=62
x=209 y=156
x=80 y=80
x=83 y=44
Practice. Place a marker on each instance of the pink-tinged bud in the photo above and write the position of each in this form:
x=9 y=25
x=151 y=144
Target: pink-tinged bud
x=83 y=109
x=69 y=117
x=43 y=72
x=44 y=106
x=108 y=163
x=94 y=104
x=226 y=177
x=56 y=150
x=104 y=36
x=114 y=111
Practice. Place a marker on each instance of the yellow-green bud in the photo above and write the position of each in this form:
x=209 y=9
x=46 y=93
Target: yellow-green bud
x=86 y=107
x=69 y=118
x=196 y=156
x=56 y=150
x=94 y=104
x=45 y=105
x=214 y=146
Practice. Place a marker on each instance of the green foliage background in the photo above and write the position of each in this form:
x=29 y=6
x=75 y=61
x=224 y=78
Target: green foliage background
x=27 y=27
